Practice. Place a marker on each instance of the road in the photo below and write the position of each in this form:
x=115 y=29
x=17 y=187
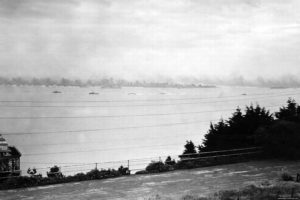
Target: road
x=171 y=185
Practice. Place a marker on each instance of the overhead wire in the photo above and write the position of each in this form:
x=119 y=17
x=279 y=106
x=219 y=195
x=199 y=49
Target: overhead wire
x=120 y=128
x=102 y=129
x=120 y=116
x=139 y=105
x=95 y=150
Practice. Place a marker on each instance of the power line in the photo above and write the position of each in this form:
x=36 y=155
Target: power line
x=109 y=129
x=94 y=150
x=120 y=116
x=119 y=128
x=102 y=129
x=144 y=161
x=136 y=105
x=67 y=166
x=118 y=101
x=105 y=162
x=73 y=143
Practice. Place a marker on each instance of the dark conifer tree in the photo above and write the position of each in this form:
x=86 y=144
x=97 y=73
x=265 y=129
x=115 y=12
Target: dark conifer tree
x=189 y=147
x=238 y=131
x=289 y=113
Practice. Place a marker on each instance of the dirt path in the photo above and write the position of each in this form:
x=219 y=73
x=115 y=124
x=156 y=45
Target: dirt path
x=201 y=181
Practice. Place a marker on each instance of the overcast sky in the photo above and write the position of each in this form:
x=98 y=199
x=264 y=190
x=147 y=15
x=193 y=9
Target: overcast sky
x=148 y=38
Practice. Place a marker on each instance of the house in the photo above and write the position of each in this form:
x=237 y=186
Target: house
x=9 y=159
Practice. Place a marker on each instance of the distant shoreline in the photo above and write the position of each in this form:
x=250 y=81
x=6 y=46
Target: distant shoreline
x=178 y=86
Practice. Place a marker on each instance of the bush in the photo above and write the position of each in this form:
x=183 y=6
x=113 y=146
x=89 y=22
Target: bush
x=38 y=180
x=169 y=161
x=124 y=170
x=96 y=174
x=286 y=177
x=185 y=164
x=155 y=167
x=79 y=177
x=54 y=169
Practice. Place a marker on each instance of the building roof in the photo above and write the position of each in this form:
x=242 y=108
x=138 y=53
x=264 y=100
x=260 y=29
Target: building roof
x=2 y=140
x=14 y=151
x=10 y=150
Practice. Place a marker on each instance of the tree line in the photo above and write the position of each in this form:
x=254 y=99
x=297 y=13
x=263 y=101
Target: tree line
x=103 y=82
x=278 y=133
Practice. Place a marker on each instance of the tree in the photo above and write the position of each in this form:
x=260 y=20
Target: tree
x=281 y=139
x=289 y=113
x=189 y=147
x=55 y=172
x=169 y=161
x=238 y=131
x=31 y=172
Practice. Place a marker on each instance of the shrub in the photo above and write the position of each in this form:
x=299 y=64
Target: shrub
x=96 y=174
x=155 y=167
x=124 y=170
x=286 y=177
x=57 y=177
x=79 y=177
x=185 y=164
x=169 y=161
x=54 y=169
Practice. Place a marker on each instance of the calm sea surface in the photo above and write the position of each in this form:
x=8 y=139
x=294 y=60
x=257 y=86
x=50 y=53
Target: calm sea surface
x=74 y=127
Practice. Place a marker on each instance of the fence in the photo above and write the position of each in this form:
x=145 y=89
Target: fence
x=134 y=165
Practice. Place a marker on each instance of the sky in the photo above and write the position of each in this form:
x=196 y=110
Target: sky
x=136 y=39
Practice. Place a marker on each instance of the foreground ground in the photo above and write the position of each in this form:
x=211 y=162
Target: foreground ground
x=173 y=185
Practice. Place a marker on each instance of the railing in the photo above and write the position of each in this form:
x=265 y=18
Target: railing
x=222 y=152
x=221 y=157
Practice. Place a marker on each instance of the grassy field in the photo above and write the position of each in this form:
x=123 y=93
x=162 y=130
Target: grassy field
x=191 y=184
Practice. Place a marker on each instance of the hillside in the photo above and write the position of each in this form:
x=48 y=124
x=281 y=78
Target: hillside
x=201 y=181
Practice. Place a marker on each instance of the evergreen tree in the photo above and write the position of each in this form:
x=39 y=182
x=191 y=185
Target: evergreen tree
x=238 y=131
x=189 y=147
x=281 y=139
x=289 y=113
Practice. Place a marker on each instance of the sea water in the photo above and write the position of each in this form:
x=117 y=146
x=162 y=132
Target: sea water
x=75 y=129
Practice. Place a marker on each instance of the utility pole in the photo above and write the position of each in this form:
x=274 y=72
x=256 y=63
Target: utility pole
x=128 y=164
x=96 y=166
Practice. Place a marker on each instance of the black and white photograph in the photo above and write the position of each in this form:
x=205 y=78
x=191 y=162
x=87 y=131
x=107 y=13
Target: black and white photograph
x=149 y=99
